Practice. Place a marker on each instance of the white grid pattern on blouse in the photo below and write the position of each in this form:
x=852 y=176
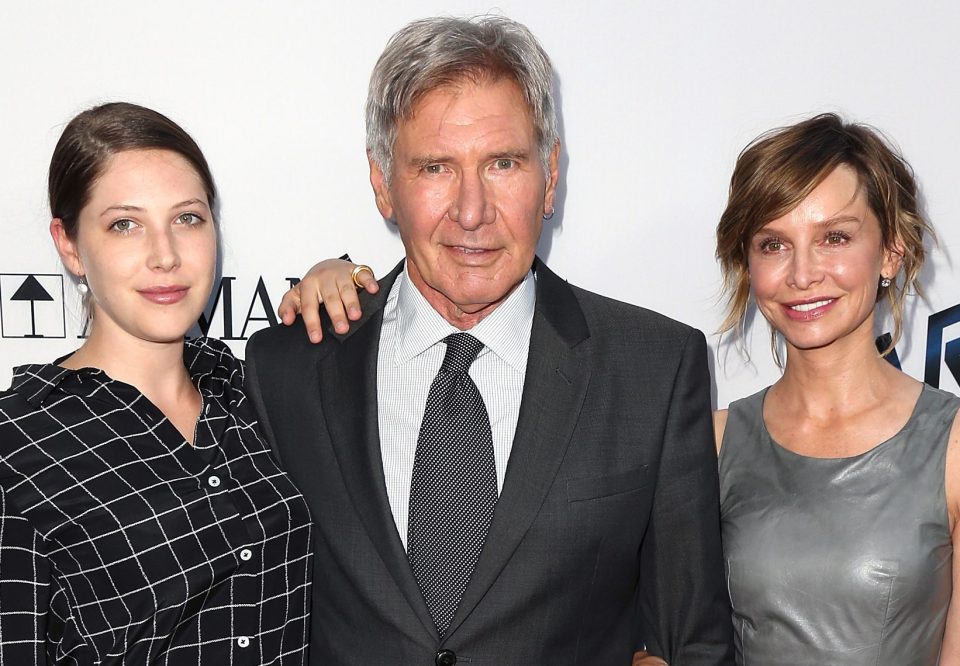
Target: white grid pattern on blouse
x=411 y=351
x=121 y=543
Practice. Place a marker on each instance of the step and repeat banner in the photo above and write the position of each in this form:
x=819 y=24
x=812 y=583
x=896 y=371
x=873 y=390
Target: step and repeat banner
x=657 y=100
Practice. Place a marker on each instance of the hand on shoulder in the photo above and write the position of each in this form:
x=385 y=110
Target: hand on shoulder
x=334 y=284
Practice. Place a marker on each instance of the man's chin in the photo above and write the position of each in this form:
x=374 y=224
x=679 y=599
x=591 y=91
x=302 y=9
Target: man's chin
x=458 y=302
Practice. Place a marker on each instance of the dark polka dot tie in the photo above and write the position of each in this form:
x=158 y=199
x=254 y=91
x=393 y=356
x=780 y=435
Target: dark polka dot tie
x=454 y=486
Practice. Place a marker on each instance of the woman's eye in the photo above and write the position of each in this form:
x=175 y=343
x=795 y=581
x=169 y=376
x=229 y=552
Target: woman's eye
x=123 y=226
x=837 y=238
x=189 y=218
x=771 y=245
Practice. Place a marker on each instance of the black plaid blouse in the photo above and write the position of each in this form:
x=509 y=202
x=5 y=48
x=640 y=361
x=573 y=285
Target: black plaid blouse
x=122 y=544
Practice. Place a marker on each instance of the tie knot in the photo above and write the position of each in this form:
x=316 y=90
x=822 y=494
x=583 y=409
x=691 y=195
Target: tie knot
x=462 y=350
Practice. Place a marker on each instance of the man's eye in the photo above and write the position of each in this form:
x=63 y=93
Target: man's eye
x=505 y=163
x=433 y=168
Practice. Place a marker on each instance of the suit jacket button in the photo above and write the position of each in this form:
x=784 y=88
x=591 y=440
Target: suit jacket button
x=446 y=658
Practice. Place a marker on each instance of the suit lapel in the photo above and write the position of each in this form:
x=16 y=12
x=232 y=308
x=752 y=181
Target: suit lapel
x=348 y=388
x=558 y=373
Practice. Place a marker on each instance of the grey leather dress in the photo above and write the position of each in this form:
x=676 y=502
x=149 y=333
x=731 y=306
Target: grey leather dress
x=838 y=561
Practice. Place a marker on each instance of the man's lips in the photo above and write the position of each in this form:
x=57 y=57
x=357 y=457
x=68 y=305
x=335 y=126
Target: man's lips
x=164 y=294
x=469 y=250
x=475 y=256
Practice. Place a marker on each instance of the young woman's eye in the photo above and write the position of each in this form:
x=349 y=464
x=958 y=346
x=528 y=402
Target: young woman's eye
x=123 y=226
x=189 y=219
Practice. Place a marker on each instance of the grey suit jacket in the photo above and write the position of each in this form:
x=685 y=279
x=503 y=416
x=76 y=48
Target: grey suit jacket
x=606 y=533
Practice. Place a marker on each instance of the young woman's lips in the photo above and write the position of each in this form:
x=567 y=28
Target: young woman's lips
x=165 y=295
x=809 y=309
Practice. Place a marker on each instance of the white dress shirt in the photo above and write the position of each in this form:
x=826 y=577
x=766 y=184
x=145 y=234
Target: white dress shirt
x=410 y=354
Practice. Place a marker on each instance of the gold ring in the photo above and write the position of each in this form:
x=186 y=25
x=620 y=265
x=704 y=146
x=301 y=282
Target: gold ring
x=355 y=273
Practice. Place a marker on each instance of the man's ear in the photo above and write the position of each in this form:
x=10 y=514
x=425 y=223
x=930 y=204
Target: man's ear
x=553 y=175
x=66 y=247
x=381 y=191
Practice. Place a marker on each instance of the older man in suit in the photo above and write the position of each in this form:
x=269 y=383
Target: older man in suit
x=503 y=468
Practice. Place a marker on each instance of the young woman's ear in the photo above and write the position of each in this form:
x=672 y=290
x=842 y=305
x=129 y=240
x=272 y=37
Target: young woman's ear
x=66 y=247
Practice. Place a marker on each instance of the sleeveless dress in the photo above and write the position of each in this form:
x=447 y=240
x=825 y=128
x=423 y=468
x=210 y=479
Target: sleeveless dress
x=840 y=561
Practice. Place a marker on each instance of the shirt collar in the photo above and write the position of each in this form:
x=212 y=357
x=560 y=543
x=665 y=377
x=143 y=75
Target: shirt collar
x=505 y=332
x=37 y=381
x=34 y=382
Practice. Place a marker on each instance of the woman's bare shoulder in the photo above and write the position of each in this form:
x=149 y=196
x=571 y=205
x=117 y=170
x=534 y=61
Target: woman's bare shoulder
x=719 y=423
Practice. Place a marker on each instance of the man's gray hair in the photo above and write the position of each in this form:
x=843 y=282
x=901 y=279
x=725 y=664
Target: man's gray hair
x=436 y=52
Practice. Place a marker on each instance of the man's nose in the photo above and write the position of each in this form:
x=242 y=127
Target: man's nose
x=472 y=206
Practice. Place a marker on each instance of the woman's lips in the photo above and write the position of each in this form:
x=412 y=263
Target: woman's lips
x=809 y=309
x=164 y=295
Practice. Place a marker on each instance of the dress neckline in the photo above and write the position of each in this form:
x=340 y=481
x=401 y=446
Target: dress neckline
x=924 y=390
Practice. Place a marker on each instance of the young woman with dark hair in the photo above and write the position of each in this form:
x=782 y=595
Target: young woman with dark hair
x=142 y=517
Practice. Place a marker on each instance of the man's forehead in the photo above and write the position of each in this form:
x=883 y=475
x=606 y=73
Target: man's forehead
x=467 y=87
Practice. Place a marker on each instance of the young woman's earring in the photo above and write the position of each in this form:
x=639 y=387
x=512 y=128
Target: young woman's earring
x=82 y=285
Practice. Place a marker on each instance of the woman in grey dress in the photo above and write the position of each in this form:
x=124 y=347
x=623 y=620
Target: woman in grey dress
x=840 y=483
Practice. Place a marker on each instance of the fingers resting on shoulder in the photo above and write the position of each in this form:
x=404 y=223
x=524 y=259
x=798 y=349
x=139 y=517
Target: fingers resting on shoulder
x=334 y=284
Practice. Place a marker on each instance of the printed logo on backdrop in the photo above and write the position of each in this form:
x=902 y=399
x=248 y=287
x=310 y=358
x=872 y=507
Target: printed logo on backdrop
x=940 y=325
x=31 y=306
x=942 y=346
x=238 y=308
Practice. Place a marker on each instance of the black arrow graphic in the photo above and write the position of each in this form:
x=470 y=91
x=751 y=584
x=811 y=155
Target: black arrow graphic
x=31 y=290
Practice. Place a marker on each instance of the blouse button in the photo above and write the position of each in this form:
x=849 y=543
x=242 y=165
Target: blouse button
x=243 y=641
x=246 y=554
x=213 y=481
x=206 y=409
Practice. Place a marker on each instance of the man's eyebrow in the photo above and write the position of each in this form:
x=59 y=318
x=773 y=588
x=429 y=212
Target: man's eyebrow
x=514 y=154
x=421 y=161
x=425 y=160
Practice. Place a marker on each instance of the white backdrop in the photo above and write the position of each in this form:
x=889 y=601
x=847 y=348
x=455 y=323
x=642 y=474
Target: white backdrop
x=657 y=101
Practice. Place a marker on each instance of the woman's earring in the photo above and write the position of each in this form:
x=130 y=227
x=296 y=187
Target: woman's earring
x=884 y=282
x=82 y=285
